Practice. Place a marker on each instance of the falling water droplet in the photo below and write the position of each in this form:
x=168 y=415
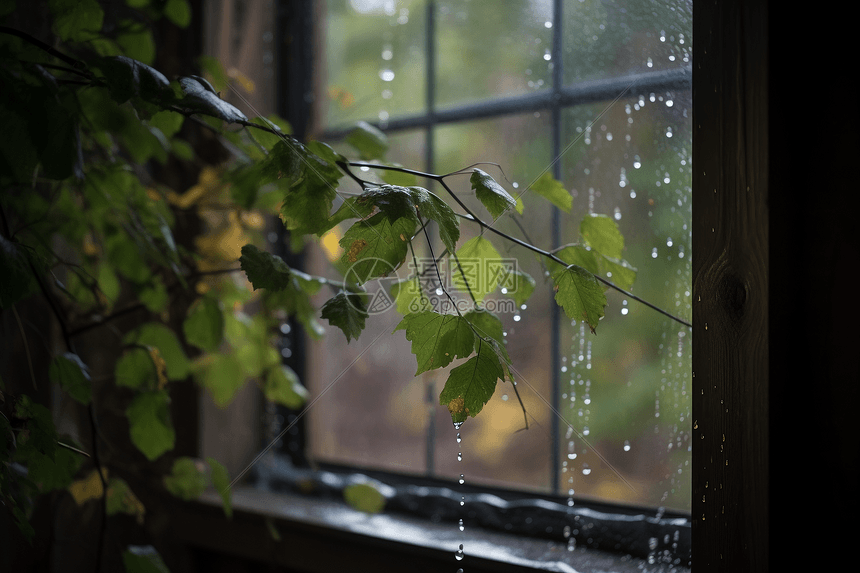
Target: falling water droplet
x=462 y=480
x=626 y=445
x=585 y=469
x=386 y=75
x=459 y=456
x=459 y=555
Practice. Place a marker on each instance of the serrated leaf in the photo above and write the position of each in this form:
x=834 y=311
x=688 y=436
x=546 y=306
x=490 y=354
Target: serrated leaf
x=187 y=479
x=488 y=325
x=199 y=98
x=204 y=325
x=283 y=387
x=149 y=422
x=143 y=559
x=471 y=385
x=364 y=497
x=309 y=198
x=221 y=483
x=347 y=312
x=162 y=337
x=491 y=194
x=579 y=294
x=601 y=233
x=72 y=375
x=551 y=189
x=434 y=208
x=478 y=268
x=376 y=246
x=437 y=338
x=263 y=269
x=579 y=255
x=369 y=141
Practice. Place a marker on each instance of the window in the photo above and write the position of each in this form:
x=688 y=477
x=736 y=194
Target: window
x=605 y=90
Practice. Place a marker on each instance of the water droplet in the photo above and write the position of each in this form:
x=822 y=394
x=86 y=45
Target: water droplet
x=547 y=56
x=462 y=479
x=459 y=554
x=463 y=501
x=462 y=527
x=626 y=445
x=459 y=439
x=585 y=469
x=459 y=456
x=386 y=75
x=547 y=24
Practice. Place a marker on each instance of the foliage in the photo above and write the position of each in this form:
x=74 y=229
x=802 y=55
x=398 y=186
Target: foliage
x=85 y=135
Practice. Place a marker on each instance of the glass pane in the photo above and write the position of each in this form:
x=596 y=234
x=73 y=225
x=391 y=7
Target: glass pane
x=370 y=408
x=627 y=390
x=494 y=451
x=373 y=60
x=606 y=38
x=491 y=48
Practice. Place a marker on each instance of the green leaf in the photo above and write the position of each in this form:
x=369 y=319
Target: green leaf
x=309 y=198
x=49 y=466
x=347 y=312
x=376 y=246
x=178 y=12
x=370 y=142
x=283 y=387
x=73 y=376
x=518 y=285
x=471 y=385
x=620 y=272
x=187 y=479
x=579 y=294
x=76 y=20
x=154 y=295
x=579 y=255
x=149 y=424
x=201 y=97
x=364 y=497
x=137 y=41
x=491 y=194
x=489 y=326
x=601 y=233
x=263 y=269
x=135 y=369
x=221 y=483
x=223 y=375
x=552 y=190
x=168 y=122
x=482 y=266
x=398 y=177
x=204 y=326
x=437 y=338
x=434 y=208
x=409 y=296
x=143 y=559
x=17 y=276
x=160 y=336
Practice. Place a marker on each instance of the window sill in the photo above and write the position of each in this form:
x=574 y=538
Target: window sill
x=319 y=535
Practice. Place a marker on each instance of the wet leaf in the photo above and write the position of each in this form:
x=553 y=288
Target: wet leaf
x=221 y=483
x=551 y=189
x=143 y=559
x=471 y=385
x=204 y=326
x=491 y=194
x=347 y=312
x=283 y=387
x=187 y=479
x=369 y=141
x=579 y=294
x=601 y=233
x=162 y=337
x=200 y=97
x=437 y=338
x=482 y=266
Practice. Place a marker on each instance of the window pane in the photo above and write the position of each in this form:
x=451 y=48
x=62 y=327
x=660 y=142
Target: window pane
x=494 y=450
x=627 y=389
x=491 y=48
x=374 y=60
x=605 y=38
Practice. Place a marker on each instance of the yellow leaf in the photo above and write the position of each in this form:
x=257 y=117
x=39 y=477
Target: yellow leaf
x=160 y=366
x=88 y=488
x=241 y=79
